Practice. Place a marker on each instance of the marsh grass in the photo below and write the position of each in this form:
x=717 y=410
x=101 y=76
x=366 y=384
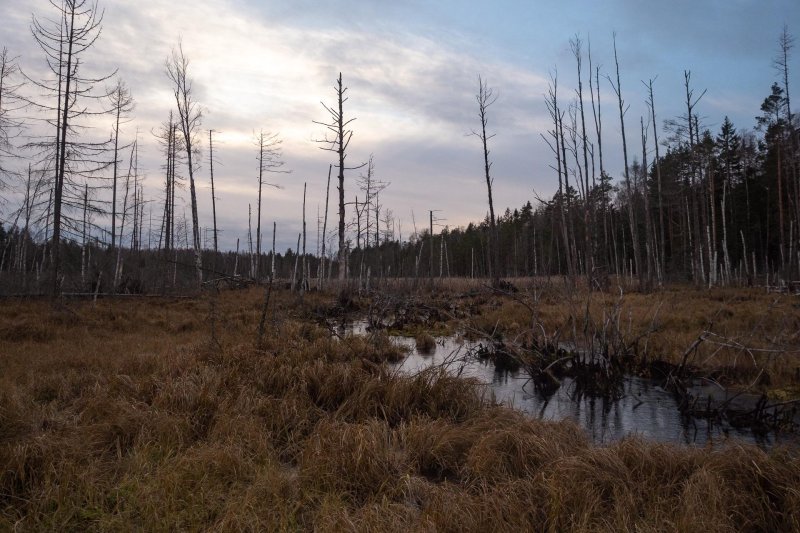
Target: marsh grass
x=124 y=417
x=751 y=339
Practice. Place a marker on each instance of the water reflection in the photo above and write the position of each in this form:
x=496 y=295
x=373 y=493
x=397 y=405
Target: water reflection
x=645 y=408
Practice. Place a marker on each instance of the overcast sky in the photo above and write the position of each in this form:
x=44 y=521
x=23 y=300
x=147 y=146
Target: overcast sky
x=412 y=69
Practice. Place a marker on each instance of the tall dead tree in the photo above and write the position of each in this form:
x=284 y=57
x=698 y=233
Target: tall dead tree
x=65 y=40
x=121 y=105
x=576 y=44
x=371 y=187
x=325 y=227
x=598 y=127
x=485 y=99
x=189 y=120
x=167 y=136
x=250 y=240
x=9 y=124
x=650 y=247
x=270 y=160
x=662 y=247
x=339 y=128
x=781 y=64
x=131 y=170
x=304 y=274
x=274 y=233
x=213 y=196
x=557 y=115
x=637 y=256
x=692 y=121
x=135 y=235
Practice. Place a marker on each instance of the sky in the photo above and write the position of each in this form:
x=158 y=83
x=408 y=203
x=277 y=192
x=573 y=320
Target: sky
x=411 y=68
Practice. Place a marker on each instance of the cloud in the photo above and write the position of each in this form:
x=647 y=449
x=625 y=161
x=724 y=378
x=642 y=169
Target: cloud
x=411 y=69
x=413 y=99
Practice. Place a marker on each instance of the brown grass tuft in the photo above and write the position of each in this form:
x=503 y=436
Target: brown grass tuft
x=360 y=461
x=124 y=417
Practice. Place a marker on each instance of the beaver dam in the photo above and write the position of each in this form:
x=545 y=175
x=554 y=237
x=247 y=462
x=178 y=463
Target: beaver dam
x=699 y=413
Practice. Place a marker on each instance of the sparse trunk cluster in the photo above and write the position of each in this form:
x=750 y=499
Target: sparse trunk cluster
x=686 y=205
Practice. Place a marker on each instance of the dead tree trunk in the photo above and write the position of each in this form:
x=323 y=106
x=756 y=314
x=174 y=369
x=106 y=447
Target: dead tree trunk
x=486 y=98
x=304 y=278
x=662 y=241
x=213 y=197
x=339 y=127
x=274 y=232
x=325 y=226
x=189 y=116
x=650 y=250
x=588 y=207
x=557 y=116
x=637 y=257
x=122 y=104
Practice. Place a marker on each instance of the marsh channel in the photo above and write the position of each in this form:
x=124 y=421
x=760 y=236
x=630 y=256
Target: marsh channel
x=644 y=407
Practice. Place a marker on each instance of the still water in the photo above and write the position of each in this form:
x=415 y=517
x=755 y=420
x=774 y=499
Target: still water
x=645 y=408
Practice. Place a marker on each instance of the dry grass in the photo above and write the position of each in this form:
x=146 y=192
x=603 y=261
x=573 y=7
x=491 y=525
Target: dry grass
x=125 y=417
x=750 y=338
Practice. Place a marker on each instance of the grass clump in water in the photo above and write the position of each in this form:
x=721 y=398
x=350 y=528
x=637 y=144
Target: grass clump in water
x=425 y=343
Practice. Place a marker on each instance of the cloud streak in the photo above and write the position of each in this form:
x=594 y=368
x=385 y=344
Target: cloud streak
x=411 y=69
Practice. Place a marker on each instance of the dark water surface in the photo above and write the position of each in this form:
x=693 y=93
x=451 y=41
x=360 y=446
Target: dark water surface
x=645 y=409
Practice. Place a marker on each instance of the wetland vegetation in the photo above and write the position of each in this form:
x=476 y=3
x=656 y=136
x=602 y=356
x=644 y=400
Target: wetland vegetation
x=122 y=414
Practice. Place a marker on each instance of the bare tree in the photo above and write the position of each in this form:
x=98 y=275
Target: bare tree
x=132 y=164
x=692 y=128
x=304 y=275
x=325 y=228
x=371 y=187
x=269 y=161
x=557 y=115
x=189 y=120
x=576 y=44
x=339 y=128
x=637 y=256
x=365 y=183
x=213 y=196
x=9 y=103
x=650 y=247
x=485 y=99
x=121 y=105
x=250 y=240
x=781 y=63
x=598 y=125
x=661 y=238
x=32 y=191
x=167 y=136
x=65 y=42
